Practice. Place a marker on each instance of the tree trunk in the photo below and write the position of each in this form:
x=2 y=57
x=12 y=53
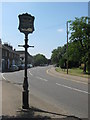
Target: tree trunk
x=84 y=70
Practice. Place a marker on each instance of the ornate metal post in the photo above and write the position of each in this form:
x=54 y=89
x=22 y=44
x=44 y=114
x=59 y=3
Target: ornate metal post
x=26 y=26
x=25 y=96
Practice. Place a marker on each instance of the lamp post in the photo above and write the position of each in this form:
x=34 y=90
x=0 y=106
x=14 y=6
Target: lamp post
x=26 y=26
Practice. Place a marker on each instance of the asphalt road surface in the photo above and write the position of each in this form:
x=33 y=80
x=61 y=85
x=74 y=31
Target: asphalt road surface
x=69 y=95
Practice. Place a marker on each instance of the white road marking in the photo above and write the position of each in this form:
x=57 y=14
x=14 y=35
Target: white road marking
x=10 y=81
x=0 y=76
x=75 y=89
x=30 y=73
x=66 y=78
x=42 y=79
x=3 y=76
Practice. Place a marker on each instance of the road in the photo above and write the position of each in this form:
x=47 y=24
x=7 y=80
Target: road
x=69 y=95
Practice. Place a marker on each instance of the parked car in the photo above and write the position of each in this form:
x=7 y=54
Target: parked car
x=23 y=66
x=20 y=67
x=14 y=68
x=29 y=65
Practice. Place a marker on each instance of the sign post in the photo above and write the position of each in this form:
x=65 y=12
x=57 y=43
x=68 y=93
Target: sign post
x=26 y=26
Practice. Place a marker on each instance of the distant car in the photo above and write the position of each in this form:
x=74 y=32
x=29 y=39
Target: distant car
x=14 y=68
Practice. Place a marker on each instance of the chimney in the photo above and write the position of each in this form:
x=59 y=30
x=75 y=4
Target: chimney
x=9 y=46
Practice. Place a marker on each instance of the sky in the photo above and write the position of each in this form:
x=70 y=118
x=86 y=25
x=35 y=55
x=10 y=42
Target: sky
x=49 y=24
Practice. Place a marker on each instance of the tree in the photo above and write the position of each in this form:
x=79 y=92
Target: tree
x=80 y=38
x=54 y=57
x=74 y=54
x=58 y=54
x=40 y=59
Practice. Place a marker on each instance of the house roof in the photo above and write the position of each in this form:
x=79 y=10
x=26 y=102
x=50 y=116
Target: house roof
x=10 y=50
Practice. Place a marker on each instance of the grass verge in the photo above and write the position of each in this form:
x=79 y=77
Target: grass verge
x=73 y=71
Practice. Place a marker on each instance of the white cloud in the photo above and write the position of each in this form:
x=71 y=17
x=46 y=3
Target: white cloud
x=60 y=30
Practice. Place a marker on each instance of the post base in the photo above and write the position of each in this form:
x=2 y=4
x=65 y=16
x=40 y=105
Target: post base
x=25 y=99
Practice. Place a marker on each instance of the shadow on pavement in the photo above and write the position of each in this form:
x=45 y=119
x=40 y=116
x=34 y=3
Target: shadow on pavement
x=38 y=114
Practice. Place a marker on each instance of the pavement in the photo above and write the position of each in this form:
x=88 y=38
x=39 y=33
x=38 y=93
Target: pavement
x=12 y=102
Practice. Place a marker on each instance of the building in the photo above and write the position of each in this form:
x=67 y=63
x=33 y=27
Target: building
x=22 y=57
x=9 y=57
x=0 y=55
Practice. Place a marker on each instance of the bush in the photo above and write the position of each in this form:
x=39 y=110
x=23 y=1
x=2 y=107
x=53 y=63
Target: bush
x=82 y=66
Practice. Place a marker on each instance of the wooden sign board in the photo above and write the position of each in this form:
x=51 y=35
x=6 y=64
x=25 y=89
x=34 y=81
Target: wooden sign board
x=26 y=23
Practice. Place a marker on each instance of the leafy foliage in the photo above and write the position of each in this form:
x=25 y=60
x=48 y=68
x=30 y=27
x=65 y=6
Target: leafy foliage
x=39 y=60
x=79 y=40
x=57 y=56
x=78 y=46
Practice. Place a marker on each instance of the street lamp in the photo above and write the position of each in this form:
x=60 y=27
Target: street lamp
x=26 y=26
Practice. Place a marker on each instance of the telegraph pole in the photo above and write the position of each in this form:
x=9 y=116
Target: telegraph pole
x=67 y=47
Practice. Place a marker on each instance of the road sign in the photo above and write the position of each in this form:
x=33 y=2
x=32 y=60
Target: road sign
x=26 y=23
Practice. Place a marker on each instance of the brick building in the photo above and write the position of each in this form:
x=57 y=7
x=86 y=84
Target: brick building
x=9 y=57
